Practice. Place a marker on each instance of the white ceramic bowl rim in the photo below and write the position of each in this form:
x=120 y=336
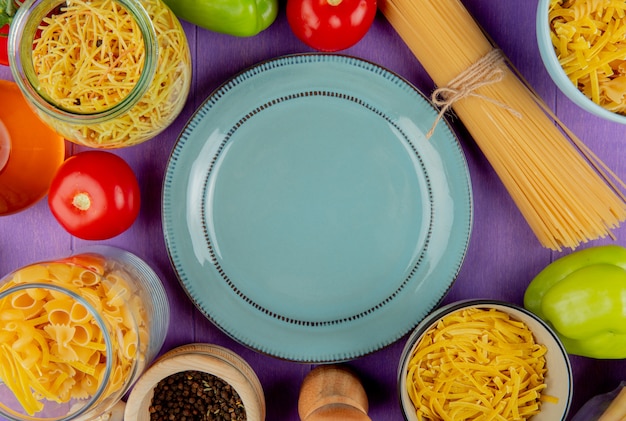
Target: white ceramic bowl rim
x=512 y=309
x=556 y=72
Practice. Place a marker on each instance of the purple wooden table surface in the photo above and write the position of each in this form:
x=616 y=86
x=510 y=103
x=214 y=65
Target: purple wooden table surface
x=503 y=254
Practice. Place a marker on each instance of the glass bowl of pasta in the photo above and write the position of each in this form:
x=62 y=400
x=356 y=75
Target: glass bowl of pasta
x=584 y=52
x=477 y=358
x=76 y=333
x=102 y=73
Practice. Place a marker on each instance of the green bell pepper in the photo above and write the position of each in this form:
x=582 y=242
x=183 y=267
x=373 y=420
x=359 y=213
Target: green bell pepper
x=583 y=297
x=241 y=18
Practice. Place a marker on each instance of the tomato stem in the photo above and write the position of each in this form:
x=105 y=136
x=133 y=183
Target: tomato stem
x=334 y=2
x=81 y=201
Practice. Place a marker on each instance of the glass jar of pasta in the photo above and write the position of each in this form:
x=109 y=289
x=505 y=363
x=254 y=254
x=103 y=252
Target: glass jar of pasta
x=101 y=73
x=76 y=332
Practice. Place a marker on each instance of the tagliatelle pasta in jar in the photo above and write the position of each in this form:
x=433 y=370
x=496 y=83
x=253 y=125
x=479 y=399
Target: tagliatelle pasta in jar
x=76 y=331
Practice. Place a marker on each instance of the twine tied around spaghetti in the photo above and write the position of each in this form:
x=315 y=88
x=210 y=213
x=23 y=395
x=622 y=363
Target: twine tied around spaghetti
x=486 y=71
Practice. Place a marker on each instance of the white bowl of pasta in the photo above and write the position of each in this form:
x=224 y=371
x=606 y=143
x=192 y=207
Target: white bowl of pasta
x=576 y=60
x=477 y=357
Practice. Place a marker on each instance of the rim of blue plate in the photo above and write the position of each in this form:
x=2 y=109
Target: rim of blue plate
x=249 y=72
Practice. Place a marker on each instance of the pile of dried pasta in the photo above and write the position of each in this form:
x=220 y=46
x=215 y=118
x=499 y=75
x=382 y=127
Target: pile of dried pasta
x=477 y=364
x=589 y=38
x=51 y=347
x=90 y=56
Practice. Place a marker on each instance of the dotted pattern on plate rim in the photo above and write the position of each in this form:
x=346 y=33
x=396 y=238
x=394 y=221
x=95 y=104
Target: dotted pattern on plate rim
x=204 y=109
x=224 y=275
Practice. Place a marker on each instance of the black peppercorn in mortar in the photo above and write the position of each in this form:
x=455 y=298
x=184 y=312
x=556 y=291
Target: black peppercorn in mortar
x=195 y=396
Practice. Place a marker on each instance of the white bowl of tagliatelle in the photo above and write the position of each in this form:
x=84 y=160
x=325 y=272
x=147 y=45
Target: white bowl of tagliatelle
x=484 y=359
x=583 y=50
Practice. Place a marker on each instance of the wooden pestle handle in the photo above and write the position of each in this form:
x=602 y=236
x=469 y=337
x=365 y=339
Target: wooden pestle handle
x=332 y=392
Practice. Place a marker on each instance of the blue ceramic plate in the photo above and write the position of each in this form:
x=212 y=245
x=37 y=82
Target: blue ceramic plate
x=307 y=215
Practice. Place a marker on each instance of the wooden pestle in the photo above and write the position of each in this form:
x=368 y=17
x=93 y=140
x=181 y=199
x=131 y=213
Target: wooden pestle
x=332 y=393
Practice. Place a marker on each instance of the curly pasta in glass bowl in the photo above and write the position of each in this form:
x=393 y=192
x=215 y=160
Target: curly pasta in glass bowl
x=76 y=332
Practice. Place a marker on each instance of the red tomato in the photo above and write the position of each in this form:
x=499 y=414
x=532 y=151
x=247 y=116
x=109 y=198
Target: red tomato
x=7 y=12
x=330 y=25
x=4 y=55
x=95 y=195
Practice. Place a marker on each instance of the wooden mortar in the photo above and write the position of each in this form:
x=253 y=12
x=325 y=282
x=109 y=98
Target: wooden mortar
x=212 y=359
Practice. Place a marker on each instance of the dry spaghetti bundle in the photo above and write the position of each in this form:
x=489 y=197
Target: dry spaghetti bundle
x=565 y=193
